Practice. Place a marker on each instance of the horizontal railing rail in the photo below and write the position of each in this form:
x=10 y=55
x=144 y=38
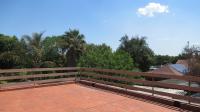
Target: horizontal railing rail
x=175 y=96
x=127 y=80
x=37 y=69
x=146 y=82
x=36 y=76
x=145 y=74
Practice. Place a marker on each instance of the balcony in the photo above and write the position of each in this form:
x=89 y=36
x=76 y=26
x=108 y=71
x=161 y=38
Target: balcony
x=92 y=90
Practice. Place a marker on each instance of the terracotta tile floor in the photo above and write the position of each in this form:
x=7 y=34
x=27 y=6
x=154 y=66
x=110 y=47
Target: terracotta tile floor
x=72 y=98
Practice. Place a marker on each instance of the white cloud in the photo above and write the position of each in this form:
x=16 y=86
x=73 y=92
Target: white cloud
x=152 y=8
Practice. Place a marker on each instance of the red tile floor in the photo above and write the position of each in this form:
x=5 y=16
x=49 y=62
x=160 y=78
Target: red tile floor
x=73 y=98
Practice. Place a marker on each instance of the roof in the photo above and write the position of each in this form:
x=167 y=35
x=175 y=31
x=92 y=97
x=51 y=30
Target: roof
x=183 y=62
x=166 y=69
x=180 y=68
x=171 y=69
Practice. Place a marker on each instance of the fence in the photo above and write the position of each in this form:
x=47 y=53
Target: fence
x=127 y=80
x=19 y=78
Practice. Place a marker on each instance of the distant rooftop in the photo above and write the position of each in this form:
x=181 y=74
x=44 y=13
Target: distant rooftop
x=183 y=62
x=180 y=68
x=166 y=69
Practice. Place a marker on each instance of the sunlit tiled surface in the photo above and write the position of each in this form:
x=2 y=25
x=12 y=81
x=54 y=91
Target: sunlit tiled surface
x=72 y=98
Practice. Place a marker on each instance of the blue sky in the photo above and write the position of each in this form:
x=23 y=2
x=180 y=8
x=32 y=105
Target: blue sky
x=106 y=21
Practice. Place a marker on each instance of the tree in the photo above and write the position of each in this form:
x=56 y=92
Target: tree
x=10 y=52
x=34 y=48
x=101 y=56
x=139 y=50
x=96 y=56
x=72 y=43
x=52 y=55
x=121 y=60
x=192 y=55
x=164 y=59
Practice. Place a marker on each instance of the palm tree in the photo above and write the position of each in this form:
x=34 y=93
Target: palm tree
x=73 y=42
x=34 y=47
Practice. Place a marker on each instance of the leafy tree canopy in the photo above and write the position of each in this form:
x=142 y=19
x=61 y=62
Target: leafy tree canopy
x=10 y=51
x=101 y=56
x=139 y=50
x=164 y=59
x=192 y=55
x=52 y=55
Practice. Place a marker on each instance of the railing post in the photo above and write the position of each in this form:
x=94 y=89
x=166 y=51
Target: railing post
x=76 y=75
x=88 y=76
x=127 y=84
x=80 y=70
x=34 y=82
x=152 y=86
x=189 y=92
